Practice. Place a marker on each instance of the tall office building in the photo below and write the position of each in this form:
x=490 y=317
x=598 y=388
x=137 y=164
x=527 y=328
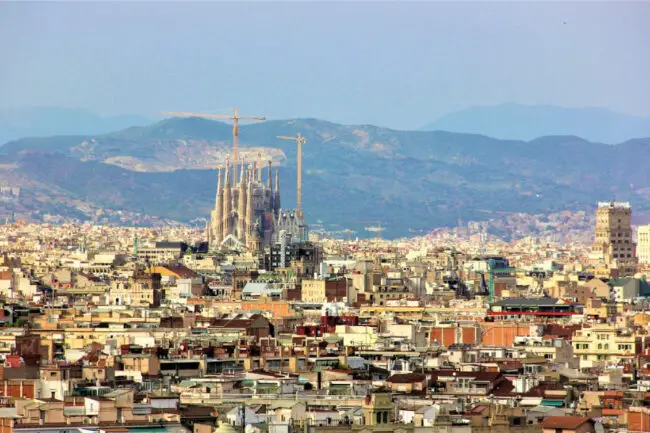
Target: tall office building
x=643 y=241
x=613 y=242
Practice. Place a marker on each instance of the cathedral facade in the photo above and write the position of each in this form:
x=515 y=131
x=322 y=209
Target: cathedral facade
x=247 y=213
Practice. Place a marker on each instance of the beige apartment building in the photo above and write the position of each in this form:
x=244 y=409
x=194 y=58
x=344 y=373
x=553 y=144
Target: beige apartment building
x=604 y=343
x=324 y=290
x=139 y=290
x=613 y=244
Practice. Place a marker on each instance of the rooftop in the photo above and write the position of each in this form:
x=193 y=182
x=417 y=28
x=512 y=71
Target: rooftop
x=536 y=302
x=564 y=422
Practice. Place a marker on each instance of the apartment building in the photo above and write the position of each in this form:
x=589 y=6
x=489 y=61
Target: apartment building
x=643 y=244
x=605 y=343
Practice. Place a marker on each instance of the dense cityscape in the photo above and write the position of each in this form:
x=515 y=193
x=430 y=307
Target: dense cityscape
x=424 y=217
x=254 y=323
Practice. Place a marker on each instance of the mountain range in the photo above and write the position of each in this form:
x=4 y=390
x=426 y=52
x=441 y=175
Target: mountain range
x=46 y=121
x=354 y=175
x=527 y=122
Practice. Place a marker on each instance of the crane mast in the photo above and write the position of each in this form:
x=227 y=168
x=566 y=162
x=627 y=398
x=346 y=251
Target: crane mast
x=300 y=140
x=235 y=117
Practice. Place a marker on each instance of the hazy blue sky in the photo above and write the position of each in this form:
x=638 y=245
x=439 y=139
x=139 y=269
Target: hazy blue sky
x=395 y=64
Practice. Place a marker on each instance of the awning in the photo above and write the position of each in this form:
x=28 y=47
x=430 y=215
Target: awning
x=553 y=403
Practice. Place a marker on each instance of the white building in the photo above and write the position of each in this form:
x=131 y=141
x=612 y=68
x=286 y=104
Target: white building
x=643 y=244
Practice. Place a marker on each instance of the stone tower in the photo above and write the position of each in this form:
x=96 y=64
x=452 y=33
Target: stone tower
x=378 y=409
x=613 y=242
x=241 y=206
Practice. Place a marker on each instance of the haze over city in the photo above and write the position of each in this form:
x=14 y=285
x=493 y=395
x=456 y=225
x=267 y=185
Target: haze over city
x=393 y=64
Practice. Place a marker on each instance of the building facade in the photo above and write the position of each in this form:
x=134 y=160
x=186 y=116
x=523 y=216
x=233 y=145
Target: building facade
x=643 y=247
x=604 y=343
x=613 y=244
x=324 y=290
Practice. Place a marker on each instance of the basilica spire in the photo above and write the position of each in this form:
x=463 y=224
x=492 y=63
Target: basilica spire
x=241 y=206
x=250 y=223
x=276 y=199
x=219 y=188
x=216 y=223
x=227 y=202
x=227 y=175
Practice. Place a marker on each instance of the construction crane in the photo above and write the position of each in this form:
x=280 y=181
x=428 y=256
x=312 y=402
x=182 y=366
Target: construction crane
x=235 y=126
x=300 y=140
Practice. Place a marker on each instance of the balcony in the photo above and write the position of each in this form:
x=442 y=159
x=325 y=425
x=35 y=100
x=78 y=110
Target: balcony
x=611 y=352
x=141 y=409
x=71 y=411
x=470 y=390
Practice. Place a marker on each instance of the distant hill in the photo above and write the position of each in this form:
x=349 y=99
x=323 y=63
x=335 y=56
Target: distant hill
x=527 y=122
x=407 y=179
x=45 y=121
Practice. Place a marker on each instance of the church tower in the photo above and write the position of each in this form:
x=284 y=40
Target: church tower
x=250 y=216
x=276 y=199
x=377 y=409
x=241 y=207
x=216 y=222
x=227 y=203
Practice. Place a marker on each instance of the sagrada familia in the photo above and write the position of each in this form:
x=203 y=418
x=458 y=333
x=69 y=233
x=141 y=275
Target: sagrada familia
x=247 y=213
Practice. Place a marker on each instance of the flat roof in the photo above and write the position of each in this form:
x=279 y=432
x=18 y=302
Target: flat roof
x=536 y=302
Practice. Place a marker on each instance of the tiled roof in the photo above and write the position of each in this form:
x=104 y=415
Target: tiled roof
x=181 y=271
x=406 y=378
x=564 y=422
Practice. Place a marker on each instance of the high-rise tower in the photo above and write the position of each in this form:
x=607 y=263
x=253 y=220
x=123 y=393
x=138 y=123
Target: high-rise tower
x=613 y=243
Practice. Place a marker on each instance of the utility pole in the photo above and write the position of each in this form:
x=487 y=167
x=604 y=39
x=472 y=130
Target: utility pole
x=235 y=126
